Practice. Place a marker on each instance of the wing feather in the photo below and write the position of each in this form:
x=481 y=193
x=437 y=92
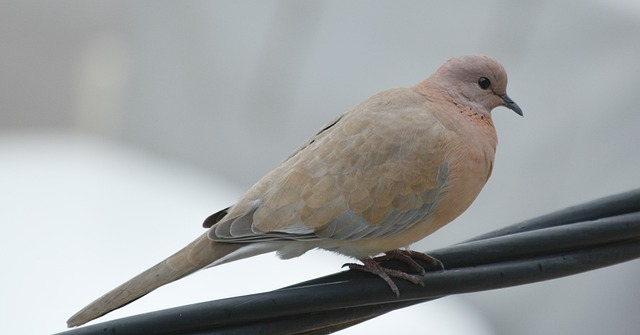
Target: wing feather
x=365 y=175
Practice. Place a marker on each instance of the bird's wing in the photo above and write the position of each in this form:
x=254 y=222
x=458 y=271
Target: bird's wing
x=374 y=172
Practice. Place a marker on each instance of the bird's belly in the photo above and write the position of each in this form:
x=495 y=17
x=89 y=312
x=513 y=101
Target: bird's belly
x=465 y=182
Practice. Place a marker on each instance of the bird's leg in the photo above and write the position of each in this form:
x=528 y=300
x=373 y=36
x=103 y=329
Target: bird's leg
x=372 y=266
x=408 y=257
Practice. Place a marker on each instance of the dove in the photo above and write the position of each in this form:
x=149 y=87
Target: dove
x=378 y=178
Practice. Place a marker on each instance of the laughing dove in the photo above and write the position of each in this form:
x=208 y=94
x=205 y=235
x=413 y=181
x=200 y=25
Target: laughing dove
x=380 y=177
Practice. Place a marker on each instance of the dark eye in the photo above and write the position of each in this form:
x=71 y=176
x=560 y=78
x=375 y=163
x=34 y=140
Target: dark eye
x=484 y=83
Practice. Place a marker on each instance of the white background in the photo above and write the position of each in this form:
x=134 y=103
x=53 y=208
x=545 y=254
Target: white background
x=124 y=124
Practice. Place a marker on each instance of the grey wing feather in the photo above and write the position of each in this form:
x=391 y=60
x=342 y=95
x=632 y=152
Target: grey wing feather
x=347 y=226
x=352 y=226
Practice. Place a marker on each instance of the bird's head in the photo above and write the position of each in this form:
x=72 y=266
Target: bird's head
x=477 y=81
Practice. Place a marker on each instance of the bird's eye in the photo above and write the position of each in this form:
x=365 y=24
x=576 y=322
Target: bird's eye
x=484 y=83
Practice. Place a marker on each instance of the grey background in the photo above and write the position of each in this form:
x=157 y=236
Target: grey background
x=230 y=88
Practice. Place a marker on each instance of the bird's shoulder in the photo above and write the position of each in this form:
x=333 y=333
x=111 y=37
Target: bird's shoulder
x=382 y=162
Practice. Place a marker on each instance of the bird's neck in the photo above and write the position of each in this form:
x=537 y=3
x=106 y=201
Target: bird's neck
x=461 y=104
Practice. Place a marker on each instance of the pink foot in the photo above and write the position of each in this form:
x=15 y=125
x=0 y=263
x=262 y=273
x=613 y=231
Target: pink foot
x=371 y=265
x=408 y=257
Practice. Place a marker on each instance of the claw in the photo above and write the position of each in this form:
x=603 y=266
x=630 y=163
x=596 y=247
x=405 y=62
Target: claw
x=408 y=257
x=371 y=266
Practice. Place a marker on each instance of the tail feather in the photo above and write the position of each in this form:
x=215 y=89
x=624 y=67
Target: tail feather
x=197 y=255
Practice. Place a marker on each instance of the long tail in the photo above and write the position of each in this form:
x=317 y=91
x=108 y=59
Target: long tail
x=197 y=255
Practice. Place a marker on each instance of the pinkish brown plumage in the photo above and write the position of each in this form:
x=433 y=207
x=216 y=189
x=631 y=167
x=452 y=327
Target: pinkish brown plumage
x=382 y=176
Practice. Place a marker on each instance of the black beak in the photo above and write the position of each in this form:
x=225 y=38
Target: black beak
x=512 y=105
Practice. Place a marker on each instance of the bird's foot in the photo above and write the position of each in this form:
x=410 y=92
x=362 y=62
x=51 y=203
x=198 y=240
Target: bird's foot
x=370 y=265
x=408 y=257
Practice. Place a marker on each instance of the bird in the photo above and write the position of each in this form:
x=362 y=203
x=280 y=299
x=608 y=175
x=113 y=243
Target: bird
x=381 y=176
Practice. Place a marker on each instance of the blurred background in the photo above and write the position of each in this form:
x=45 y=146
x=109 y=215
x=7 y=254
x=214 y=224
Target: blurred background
x=124 y=124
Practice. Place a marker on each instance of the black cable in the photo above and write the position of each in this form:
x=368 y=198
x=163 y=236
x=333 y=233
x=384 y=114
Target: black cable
x=578 y=239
